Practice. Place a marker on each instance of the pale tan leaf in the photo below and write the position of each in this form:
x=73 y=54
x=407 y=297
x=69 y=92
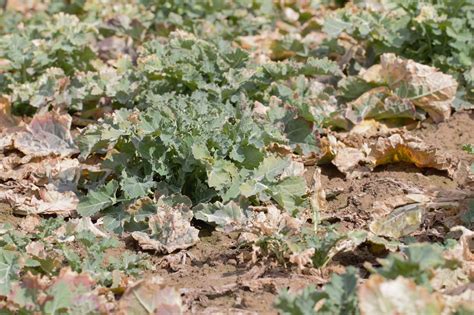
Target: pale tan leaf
x=401 y=221
x=348 y=160
x=30 y=223
x=85 y=224
x=397 y=297
x=47 y=134
x=428 y=88
x=29 y=199
x=169 y=229
x=150 y=296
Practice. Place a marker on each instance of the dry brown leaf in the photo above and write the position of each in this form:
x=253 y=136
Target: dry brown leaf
x=170 y=230
x=27 y=198
x=303 y=259
x=150 y=296
x=265 y=222
x=259 y=45
x=45 y=186
x=30 y=223
x=349 y=160
x=358 y=158
x=36 y=249
x=370 y=128
x=397 y=297
x=5 y=65
x=400 y=222
x=61 y=172
x=7 y=123
x=464 y=299
x=24 y=6
x=428 y=88
x=85 y=224
x=373 y=74
x=47 y=134
x=6 y=118
x=317 y=199
x=464 y=251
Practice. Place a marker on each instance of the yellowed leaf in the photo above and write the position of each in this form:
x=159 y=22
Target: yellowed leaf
x=401 y=148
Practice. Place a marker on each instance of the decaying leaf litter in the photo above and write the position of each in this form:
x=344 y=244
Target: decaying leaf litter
x=241 y=157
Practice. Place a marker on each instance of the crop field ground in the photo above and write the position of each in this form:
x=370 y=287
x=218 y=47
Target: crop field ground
x=237 y=157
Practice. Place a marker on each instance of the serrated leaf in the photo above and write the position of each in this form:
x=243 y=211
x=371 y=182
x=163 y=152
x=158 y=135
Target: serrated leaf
x=9 y=269
x=98 y=200
x=333 y=26
x=271 y=167
x=337 y=297
x=289 y=191
x=134 y=188
x=222 y=174
x=225 y=216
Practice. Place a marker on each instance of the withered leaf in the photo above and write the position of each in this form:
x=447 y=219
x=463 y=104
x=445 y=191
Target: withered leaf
x=47 y=134
x=169 y=229
x=428 y=88
x=27 y=199
x=401 y=221
x=402 y=148
x=398 y=147
x=150 y=296
x=397 y=297
x=379 y=103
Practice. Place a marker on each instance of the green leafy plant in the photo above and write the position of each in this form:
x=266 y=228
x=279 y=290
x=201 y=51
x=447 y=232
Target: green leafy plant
x=417 y=261
x=337 y=297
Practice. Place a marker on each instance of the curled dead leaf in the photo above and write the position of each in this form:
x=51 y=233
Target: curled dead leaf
x=27 y=199
x=47 y=134
x=428 y=88
x=403 y=148
x=395 y=148
x=465 y=248
x=85 y=224
x=397 y=297
x=349 y=160
x=30 y=223
x=401 y=221
x=5 y=65
x=409 y=85
x=6 y=118
x=150 y=296
x=36 y=249
x=25 y=6
x=8 y=123
x=169 y=229
x=302 y=259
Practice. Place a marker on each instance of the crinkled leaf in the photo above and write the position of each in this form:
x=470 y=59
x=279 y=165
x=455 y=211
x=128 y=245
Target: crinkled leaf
x=98 y=200
x=47 y=134
x=400 y=222
x=150 y=296
x=225 y=216
x=337 y=297
x=399 y=296
x=135 y=188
